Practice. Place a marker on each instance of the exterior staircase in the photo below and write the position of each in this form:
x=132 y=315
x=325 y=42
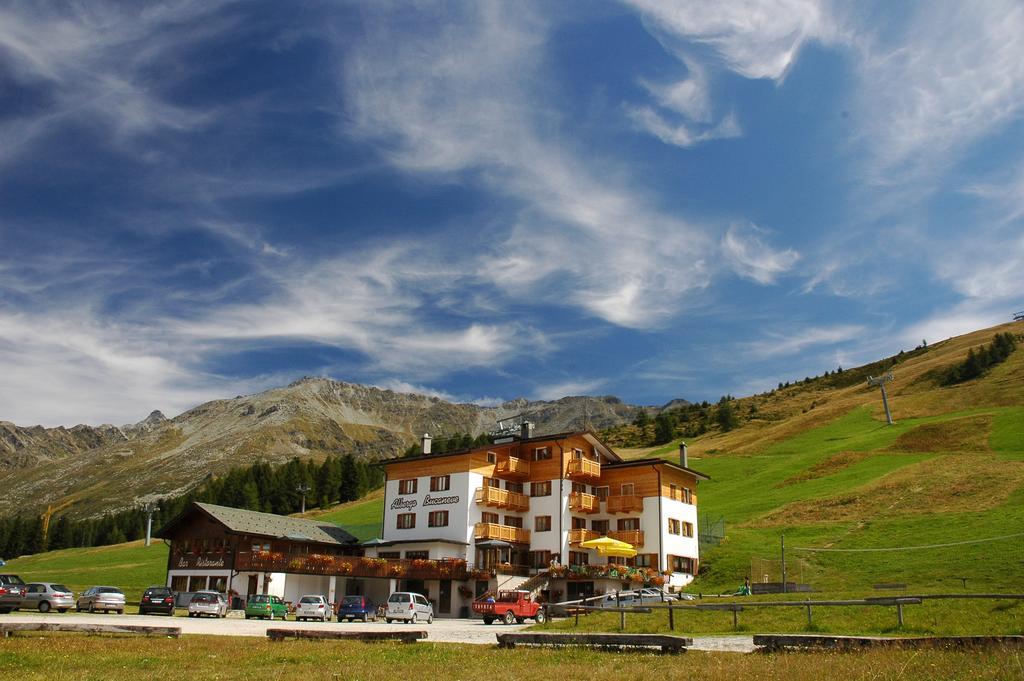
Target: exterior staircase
x=533 y=585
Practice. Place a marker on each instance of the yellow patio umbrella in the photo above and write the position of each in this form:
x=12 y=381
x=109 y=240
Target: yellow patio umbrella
x=606 y=546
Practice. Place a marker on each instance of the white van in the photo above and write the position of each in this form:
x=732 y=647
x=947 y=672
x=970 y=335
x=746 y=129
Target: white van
x=404 y=605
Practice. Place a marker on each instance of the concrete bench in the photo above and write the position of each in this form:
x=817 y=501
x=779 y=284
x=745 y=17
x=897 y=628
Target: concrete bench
x=773 y=642
x=403 y=635
x=8 y=628
x=667 y=644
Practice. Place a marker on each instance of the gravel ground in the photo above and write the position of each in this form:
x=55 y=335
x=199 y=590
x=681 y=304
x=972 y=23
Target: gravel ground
x=440 y=631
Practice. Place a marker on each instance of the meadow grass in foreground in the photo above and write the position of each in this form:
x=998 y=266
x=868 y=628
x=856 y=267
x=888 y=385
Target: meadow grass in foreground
x=56 y=656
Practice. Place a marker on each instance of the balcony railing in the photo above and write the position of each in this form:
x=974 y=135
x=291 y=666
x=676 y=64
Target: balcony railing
x=627 y=503
x=357 y=566
x=584 y=503
x=583 y=468
x=578 y=535
x=502 y=498
x=512 y=467
x=634 y=537
x=516 y=535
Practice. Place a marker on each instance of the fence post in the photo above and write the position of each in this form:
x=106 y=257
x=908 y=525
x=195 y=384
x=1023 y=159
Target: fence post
x=808 y=615
x=577 y=615
x=735 y=617
x=671 y=618
x=899 y=612
x=547 y=615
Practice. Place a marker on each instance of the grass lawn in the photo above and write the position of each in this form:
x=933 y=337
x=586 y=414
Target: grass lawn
x=55 y=656
x=361 y=518
x=931 y=617
x=131 y=566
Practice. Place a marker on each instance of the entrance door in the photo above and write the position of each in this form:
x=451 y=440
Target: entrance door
x=444 y=597
x=254 y=581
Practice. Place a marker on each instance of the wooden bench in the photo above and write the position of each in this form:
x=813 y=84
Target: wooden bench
x=667 y=644
x=773 y=642
x=403 y=635
x=8 y=628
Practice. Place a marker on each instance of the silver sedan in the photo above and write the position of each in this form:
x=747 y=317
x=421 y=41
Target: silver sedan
x=207 y=603
x=46 y=596
x=313 y=607
x=105 y=598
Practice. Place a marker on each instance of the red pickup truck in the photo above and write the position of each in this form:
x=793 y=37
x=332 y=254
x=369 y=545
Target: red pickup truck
x=511 y=607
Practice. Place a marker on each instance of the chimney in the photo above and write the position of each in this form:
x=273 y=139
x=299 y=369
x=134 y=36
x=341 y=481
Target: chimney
x=684 y=460
x=426 y=443
x=525 y=430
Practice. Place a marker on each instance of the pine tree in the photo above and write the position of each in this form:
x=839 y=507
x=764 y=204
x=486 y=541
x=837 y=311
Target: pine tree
x=725 y=416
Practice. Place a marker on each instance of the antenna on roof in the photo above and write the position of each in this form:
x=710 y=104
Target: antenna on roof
x=880 y=381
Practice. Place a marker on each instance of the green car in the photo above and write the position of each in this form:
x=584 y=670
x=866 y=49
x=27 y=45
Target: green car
x=266 y=607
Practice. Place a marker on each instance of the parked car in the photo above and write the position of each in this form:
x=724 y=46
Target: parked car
x=313 y=607
x=12 y=592
x=357 y=607
x=208 y=603
x=266 y=607
x=408 y=606
x=159 y=599
x=511 y=607
x=105 y=598
x=639 y=597
x=46 y=596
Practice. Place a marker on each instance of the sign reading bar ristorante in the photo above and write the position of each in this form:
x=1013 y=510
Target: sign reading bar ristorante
x=403 y=504
x=200 y=562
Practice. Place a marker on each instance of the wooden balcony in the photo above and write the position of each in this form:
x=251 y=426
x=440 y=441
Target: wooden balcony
x=584 y=469
x=577 y=536
x=516 y=535
x=584 y=503
x=501 y=498
x=633 y=537
x=628 y=503
x=512 y=467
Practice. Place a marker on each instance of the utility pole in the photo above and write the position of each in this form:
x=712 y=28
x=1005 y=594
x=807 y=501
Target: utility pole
x=302 y=489
x=784 y=589
x=149 y=508
x=880 y=381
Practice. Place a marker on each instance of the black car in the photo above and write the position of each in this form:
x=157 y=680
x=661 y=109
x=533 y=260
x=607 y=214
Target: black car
x=159 y=599
x=12 y=592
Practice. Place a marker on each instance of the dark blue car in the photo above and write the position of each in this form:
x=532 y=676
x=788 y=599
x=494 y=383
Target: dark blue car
x=357 y=607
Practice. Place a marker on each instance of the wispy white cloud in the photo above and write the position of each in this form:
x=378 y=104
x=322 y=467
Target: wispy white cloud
x=796 y=339
x=573 y=388
x=461 y=101
x=400 y=386
x=748 y=255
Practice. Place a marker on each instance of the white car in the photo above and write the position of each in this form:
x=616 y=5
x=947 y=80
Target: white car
x=405 y=605
x=208 y=603
x=313 y=607
x=640 y=597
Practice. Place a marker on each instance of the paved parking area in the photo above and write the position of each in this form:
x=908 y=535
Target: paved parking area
x=440 y=631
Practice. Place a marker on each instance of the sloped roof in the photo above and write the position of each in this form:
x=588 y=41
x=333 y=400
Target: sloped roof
x=241 y=521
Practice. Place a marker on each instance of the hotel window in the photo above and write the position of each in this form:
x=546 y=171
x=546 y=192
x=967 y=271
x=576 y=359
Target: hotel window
x=627 y=489
x=578 y=558
x=390 y=555
x=513 y=521
x=440 y=483
x=628 y=524
x=540 y=489
x=406 y=521
x=579 y=487
x=265 y=546
x=646 y=560
x=673 y=492
x=577 y=453
x=492 y=457
x=542 y=523
x=601 y=492
x=407 y=486
x=516 y=487
x=492 y=482
x=599 y=526
x=488 y=517
x=674 y=526
x=437 y=519
x=541 y=453
x=540 y=559
x=681 y=564
x=179 y=583
x=687 y=529
x=417 y=555
x=579 y=523
x=687 y=495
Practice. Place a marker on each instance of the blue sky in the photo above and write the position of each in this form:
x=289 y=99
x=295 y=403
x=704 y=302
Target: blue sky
x=482 y=201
